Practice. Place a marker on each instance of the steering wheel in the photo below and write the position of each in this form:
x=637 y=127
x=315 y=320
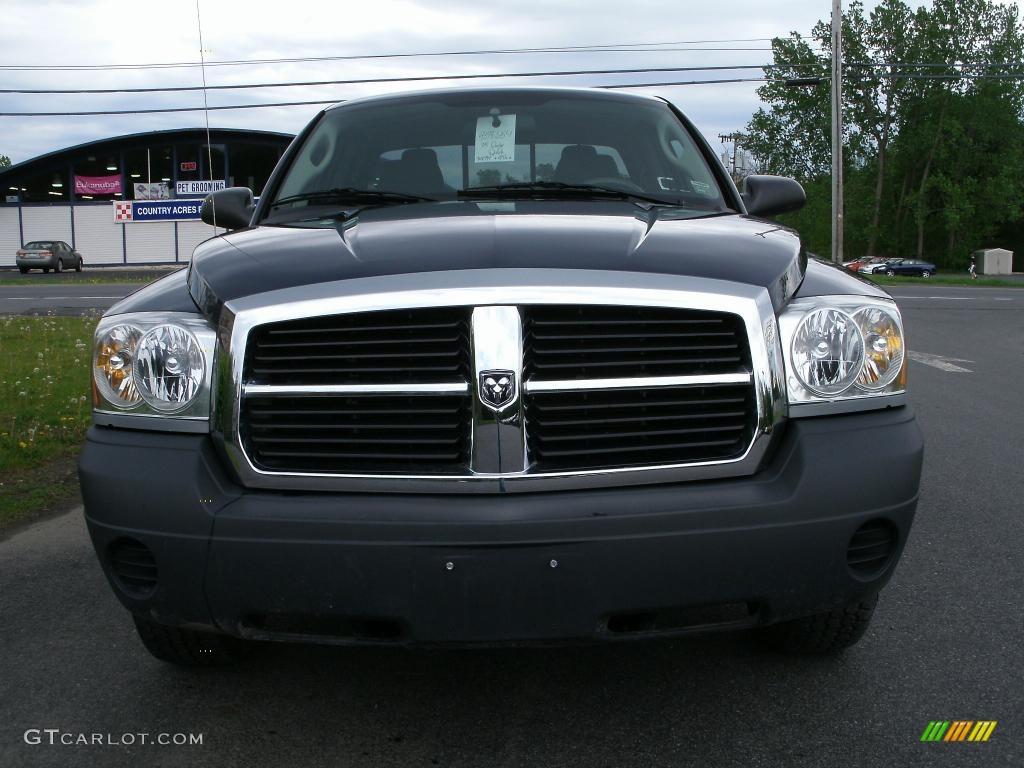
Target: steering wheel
x=612 y=182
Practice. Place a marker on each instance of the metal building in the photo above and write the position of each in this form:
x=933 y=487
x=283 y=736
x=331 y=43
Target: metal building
x=131 y=199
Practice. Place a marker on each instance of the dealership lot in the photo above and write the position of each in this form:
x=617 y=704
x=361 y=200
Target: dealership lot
x=945 y=643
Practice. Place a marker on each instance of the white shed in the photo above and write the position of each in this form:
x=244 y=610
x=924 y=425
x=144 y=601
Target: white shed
x=994 y=261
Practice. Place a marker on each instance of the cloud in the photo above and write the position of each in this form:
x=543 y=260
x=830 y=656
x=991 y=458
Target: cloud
x=115 y=32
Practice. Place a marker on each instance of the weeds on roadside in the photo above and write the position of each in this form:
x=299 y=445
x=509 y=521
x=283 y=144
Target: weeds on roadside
x=44 y=390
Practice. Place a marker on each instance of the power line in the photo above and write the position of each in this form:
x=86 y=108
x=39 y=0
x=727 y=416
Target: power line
x=681 y=82
x=419 y=78
x=267 y=105
x=612 y=47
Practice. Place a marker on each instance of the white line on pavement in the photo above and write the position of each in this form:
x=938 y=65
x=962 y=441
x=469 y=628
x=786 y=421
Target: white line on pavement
x=940 y=362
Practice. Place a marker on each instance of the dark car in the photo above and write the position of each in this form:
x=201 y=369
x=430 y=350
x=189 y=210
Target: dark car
x=893 y=267
x=499 y=366
x=48 y=254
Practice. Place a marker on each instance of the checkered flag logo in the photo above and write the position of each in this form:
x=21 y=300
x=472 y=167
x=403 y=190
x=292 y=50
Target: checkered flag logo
x=122 y=211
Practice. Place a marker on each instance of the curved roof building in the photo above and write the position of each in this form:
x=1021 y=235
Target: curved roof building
x=86 y=194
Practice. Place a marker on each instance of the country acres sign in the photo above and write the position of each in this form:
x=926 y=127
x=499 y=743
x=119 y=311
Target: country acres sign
x=129 y=211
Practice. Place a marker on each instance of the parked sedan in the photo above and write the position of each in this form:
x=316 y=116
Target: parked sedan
x=48 y=254
x=854 y=266
x=894 y=267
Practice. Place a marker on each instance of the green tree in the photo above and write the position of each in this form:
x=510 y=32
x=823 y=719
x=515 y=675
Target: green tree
x=5 y=161
x=933 y=161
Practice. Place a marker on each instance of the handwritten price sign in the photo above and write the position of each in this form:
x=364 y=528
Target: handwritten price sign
x=495 y=144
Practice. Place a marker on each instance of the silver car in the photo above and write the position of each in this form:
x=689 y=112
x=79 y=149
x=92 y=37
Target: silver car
x=48 y=254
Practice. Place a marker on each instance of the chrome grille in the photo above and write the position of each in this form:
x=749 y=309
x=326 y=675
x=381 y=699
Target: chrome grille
x=613 y=384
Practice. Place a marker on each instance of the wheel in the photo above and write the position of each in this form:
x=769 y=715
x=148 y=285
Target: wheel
x=188 y=647
x=824 y=632
x=23 y=270
x=926 y=273
x=79 y=265
x=891 y=272
x=60 y=265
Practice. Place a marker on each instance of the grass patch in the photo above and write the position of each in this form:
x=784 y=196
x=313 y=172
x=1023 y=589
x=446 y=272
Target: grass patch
x=989 y=282
x=45 y=409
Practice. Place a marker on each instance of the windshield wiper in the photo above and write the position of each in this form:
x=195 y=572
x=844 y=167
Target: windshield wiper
x=561 y=189
x=351 y=194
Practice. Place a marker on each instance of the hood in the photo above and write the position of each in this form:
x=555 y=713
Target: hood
x=432 y=237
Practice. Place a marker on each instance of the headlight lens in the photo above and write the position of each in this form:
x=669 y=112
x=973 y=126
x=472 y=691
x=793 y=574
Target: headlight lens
x=883 y=342
x=114 y=360
x=169 y=368
x=153 y=370
x=828 y=351
x=842 y=348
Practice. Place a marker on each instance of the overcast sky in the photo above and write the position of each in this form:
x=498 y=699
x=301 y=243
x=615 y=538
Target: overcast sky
x=37 y=32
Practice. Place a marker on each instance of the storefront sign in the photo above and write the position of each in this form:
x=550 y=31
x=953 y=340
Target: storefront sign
x=188 y=165
x=196 y=188
x=155 y=191
x=131 y=211
x=98 y=185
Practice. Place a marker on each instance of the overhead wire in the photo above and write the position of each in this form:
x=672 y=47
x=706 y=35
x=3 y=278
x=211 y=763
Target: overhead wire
x=609 y=48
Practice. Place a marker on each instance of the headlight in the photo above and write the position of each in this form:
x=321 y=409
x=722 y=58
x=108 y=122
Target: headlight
x=112 y=370
x=169 y=368
x=152 y=371
x=883 y=342
x=827 y=351
x=845 y=350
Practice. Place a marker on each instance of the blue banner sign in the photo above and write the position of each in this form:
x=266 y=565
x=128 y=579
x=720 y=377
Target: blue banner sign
x=156 y=210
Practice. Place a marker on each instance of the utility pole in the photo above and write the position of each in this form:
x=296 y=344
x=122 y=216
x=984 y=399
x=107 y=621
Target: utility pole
x=735 y=138
x=837 y=131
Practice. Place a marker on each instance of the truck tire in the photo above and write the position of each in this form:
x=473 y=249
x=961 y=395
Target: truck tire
x=188 y=647
x=824 y=632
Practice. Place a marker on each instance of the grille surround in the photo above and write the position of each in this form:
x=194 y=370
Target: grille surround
x=495 y=288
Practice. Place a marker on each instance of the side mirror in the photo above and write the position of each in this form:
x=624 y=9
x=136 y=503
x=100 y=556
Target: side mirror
x=772 y=195
x=231 y=208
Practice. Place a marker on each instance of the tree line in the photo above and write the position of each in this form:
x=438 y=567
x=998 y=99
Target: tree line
x=933 y=145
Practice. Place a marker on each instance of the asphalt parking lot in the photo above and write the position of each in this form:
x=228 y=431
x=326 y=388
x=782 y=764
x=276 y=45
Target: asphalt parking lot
x=946 y=642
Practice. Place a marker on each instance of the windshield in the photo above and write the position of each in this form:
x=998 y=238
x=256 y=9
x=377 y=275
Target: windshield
x=38 y=245
x=442 y=146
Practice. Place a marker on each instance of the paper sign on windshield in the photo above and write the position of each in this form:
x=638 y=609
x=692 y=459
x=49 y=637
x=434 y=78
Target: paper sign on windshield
x=495 y=144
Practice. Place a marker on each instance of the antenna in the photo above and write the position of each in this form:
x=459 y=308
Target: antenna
x=206 y=114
